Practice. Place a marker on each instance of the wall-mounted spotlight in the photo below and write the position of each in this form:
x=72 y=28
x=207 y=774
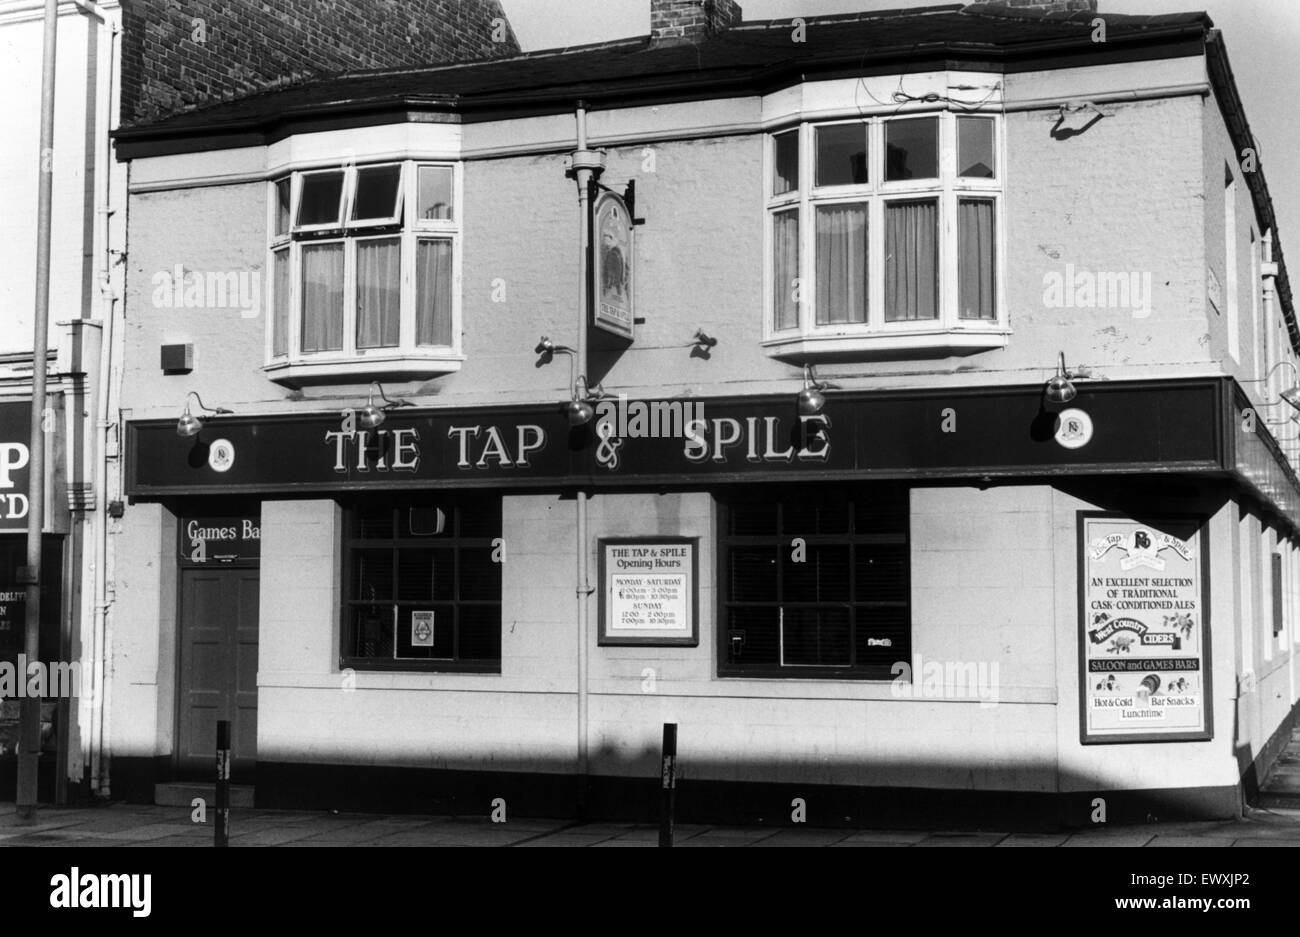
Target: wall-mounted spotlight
x=579 y=412
x=372 y=416
x=189 y=424
x=811 y=399
x=702 y=345
x=1059 y=389
x=578 y=407
x=1076 y=117
x=1291 y=395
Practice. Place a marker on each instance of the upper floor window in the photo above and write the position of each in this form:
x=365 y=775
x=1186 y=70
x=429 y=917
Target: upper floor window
x=884 y=231
x=364 y=263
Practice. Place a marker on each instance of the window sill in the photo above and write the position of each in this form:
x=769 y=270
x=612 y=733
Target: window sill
x=391 y=367
x=412 y=667
x=892 y=344
x=878 y=674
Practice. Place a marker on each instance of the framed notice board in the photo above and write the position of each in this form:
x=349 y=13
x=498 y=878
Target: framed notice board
x=649 y=591
x=1144 y=630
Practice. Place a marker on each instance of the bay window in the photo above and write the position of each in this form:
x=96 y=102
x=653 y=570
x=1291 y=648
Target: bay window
x=364 y=266
x=884 y=235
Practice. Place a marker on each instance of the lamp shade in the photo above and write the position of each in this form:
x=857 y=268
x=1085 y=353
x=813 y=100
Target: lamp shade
x=370 y=416
x=188 y=424
x=810 y=401
x=1060 y=390
x=579 y=412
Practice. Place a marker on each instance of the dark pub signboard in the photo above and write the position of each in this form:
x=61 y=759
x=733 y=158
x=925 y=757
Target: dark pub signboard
x=1165 y=427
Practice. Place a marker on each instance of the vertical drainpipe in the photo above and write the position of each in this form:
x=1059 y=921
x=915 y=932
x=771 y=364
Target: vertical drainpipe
x=585 y=166
x=98 y=763
x=1267 y=272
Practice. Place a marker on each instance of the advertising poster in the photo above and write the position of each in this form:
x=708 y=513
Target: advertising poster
x=648 y=592
x=422 y=629
x=1143 y=638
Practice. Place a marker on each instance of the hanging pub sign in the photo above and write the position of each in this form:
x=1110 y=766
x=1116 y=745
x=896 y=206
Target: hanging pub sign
x=1144 y=656
x=612 y=265
x=648 y=592
x=220 y=541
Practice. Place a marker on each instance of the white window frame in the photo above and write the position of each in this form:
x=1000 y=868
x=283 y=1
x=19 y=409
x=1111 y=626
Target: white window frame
x=351 y=192
x=949 y=331
x=406 y=360
x=296 y=201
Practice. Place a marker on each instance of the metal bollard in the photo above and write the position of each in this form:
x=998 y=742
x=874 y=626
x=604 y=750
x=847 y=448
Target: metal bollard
x=668 y=785
x=222 y=828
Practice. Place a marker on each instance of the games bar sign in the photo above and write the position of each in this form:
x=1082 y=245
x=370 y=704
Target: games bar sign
x=220 y=540
x=961 y=432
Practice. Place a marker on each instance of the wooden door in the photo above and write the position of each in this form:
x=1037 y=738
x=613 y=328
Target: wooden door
x=218 y=670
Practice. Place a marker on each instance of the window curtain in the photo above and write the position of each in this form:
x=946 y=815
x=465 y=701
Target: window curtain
x=322 y=297
x=975 y=260
x=911 y=261
x=785 y=268
x=433 y=292
x=379 y=293
x=841 y=264
x=280 y=297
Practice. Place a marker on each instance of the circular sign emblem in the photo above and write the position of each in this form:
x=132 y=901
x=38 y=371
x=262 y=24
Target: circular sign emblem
x=1073 y=429
x=221 y=455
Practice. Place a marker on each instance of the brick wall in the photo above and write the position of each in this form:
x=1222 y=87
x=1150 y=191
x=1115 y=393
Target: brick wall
x=178 y=56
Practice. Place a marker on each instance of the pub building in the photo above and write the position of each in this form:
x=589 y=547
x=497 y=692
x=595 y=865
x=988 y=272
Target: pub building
x=892 y=401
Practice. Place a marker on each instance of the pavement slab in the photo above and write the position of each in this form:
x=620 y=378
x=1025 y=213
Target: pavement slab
x=560 y=839
x=271 y=836
x=884 y=837
x=804 y=838
x=1034 y=839
x=1185 y=842
x=963 y=839
x=1110 y=839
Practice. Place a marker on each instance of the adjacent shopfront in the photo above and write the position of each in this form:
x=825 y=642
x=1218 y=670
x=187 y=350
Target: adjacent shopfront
x=55 y=680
